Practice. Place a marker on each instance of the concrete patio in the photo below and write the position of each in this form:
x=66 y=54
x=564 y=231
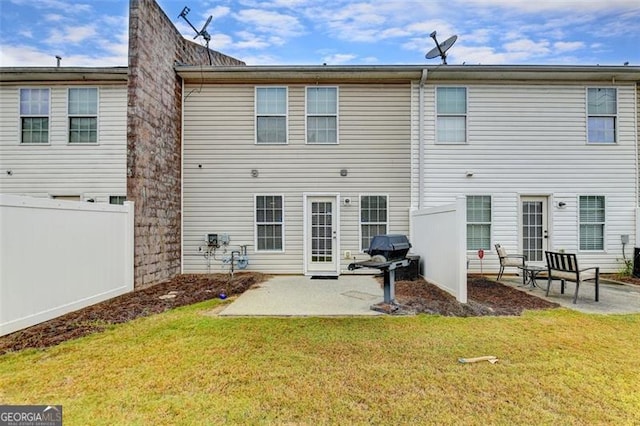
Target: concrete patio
x=353 y=295
x=615 y=298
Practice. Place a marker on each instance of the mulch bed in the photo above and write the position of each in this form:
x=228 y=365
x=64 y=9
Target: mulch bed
x=188 y=289
x=486 y=297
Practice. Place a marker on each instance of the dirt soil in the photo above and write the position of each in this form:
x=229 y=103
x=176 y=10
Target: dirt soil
x=486 y=297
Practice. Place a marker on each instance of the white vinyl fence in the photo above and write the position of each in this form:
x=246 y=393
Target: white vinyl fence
x=60 y=256
x=439 y=237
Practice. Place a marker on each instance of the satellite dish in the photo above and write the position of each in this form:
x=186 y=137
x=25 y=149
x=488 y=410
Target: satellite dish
x=441 y=49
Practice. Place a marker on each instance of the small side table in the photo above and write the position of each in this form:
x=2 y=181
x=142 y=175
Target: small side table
x=531 y=273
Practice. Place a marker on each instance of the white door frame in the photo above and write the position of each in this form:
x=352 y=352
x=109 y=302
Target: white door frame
x=546 y=222
x=307 y=197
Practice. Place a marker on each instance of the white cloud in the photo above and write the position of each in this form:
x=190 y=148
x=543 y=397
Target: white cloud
x=339 y=58
x=71 y=34
x=270 y=22
x=69 y=6
x=25 y=56
x=53 y=17
x=528 y=6
x=567 y=46
x=217 y=12
x=527 y=48
x=28 y=56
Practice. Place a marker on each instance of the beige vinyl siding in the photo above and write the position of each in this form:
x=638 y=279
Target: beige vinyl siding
x=530 y=140
x=58 y=168
x=218 y=197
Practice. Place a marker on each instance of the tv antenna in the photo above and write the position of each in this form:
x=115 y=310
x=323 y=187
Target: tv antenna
x=202 y=33
x=441 y=49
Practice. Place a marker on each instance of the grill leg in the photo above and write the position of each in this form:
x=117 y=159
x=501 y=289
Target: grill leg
x=389 y=286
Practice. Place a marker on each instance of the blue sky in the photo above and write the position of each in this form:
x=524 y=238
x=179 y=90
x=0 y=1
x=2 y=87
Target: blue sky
x=338 y=32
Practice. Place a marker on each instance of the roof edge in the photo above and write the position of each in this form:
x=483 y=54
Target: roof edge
x=8 y=74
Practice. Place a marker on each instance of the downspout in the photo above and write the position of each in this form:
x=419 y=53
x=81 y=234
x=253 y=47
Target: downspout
x=182 y=176
x=421 y=148
x=637 y=127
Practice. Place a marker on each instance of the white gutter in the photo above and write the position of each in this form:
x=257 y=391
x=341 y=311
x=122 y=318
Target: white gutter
x=421 y=148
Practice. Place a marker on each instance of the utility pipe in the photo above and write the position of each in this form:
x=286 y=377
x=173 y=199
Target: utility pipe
x=421 y=148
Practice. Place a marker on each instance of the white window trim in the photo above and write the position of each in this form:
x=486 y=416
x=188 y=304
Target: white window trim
x=604 y=224
x=255 y=223
x=255 y=115
x=97 y=142
x=490 y=222
x=360 y=223
x=307 y=115
x=466 y=115
x=616 y=118
x=20 y=117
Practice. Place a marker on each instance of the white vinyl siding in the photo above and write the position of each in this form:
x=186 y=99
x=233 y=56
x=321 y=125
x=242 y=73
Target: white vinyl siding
x=269 y=223
x=271 y=115
x=322 y=115
x=602 y=112
x=529 y=140
x=478 y=222
x=219 y=196
x=83 y=115
x=59 y=168
x=373 y=218
x=591 y=219
x=34 y=115
x=451 y=107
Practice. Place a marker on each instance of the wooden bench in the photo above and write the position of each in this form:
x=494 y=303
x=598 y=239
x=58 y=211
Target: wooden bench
x=564 y=267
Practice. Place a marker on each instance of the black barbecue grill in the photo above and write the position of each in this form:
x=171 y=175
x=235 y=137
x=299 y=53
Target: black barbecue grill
x=388 y=252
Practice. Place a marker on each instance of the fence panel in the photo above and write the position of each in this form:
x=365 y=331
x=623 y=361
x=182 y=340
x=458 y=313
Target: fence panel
x=60 y=256
x=439 y=236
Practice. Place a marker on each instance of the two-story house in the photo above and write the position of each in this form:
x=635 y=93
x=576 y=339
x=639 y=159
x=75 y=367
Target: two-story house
x=304 y=164
x=64 y=133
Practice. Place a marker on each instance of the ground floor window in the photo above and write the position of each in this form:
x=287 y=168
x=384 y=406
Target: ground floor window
x=117 y=199
x=269 y=222
x=373 y=218
x=591 y=217
x=478 y=222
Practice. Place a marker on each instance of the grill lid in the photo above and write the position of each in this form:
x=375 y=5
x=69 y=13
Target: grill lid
x=391 y=246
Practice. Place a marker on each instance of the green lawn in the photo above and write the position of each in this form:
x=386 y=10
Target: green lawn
x=182 y=367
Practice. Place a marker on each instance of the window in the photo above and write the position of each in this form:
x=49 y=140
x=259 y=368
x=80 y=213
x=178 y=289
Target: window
x=269 y=222
x=322 y=115
x=117 y=199
x=601 y=110
x=83 y=115
x=592 y=213
x=452 y=115
x=478 y=222
x=34 y=115
x=373 y=218
x=271 y=115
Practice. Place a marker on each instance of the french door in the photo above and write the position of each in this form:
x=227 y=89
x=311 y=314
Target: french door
x=534 y=228
x=321 y=235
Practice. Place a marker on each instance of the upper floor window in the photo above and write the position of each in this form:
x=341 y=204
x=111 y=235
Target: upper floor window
x=591 y=217
x=322 y=115
x=271 y=114
x=478 y=222
x=373 y=218
x=451 y=107
x=34 y=115
x=602 y=110
x=83 y=115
